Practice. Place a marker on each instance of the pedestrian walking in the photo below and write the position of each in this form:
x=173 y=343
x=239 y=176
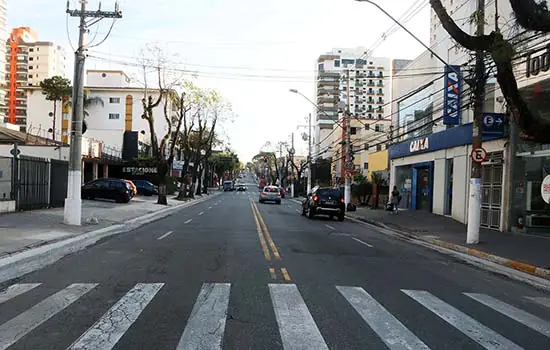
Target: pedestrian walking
x=395 y=198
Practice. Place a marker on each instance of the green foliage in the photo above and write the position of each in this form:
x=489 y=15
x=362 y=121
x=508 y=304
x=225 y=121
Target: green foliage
x=225 y=162
x=56 y=88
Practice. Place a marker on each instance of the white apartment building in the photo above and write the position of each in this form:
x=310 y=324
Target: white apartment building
x=120 y=111
x=46 y=60
x=3 y=38
x=368 y=80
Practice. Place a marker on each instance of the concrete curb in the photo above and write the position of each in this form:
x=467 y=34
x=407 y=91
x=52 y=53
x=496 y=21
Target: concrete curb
x=30 y=260
x=509 y=263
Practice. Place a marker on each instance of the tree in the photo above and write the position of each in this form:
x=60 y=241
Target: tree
x=88 y=102
x=299 y=169
x=56 y=89
x=530 y=15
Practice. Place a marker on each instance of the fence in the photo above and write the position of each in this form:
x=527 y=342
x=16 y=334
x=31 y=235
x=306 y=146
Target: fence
x=6 y=178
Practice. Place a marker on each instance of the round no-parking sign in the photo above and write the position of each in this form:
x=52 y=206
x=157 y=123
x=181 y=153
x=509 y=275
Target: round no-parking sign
x=545 y=189
x=479 y=155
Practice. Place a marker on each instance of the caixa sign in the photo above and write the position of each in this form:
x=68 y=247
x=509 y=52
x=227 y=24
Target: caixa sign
x=419 y=145
x=538 y=63
x=451 y=98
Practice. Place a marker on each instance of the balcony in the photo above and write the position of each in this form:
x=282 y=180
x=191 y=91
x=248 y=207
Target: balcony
x=380 y=101
x=381 y=84
x=379 y=110
x=359 y=84
x=370 y=83
x=327 y=99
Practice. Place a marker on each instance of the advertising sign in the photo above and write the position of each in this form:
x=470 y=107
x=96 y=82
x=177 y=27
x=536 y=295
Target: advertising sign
x=451 y=97
x=545 y=189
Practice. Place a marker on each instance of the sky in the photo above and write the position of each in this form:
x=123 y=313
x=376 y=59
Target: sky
x=251 y=51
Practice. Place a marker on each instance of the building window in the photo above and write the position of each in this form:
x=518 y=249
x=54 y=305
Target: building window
x=114 y=116
x=367 y=126
x=31 y=58
x=380 y=116
x=377 y=127
x=366 y=166
x=30 y=76
x=31 y=49
x=114 y=99
x=378 y=148
x=353 y=131
x=336 y=63
x=366 y=147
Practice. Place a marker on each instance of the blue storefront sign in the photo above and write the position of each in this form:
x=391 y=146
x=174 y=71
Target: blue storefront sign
x=454 y=137
x=451 y=98
x=493 y=124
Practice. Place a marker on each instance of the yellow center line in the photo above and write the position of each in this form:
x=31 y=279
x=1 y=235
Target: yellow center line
x=262 y=240
x=286 y=276
x=272 y=273
x=267 y=235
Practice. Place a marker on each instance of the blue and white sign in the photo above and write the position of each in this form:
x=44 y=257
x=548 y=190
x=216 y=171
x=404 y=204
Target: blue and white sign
x=493 y=124
x=451 y=99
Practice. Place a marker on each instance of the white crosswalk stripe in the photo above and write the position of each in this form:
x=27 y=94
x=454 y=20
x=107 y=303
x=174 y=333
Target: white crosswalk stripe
x=15 y=290
x=19 y=326
x=206 y=324
x=108 y=330
x=389 y=329
x=513 y=312
x=296 y=325
x=476 y=331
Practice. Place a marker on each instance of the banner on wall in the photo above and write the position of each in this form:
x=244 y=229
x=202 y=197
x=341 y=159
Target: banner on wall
x=451 y=98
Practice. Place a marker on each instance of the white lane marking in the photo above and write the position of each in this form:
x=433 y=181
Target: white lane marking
x=296 y=325
x=330 y=227
x=392 y=332
x=24 y=323
x=188 y=221
x=298 y=211
x=541 y=301
x=165 y=235
x=476 y=331
x=15 y=290
x=206 y=324
x=209 y=207
x=201 y=213
x=362 y=242
x=525 y=318
x=108 y=330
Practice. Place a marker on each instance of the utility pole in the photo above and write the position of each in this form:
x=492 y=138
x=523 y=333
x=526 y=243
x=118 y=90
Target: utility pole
x=73 y=202
x=474 y=204
x=309 y=154
x=349 y=161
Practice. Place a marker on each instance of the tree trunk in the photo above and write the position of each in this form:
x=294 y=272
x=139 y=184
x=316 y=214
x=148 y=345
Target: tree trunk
x=53 y=119
x=199 y=182
x=162 y=168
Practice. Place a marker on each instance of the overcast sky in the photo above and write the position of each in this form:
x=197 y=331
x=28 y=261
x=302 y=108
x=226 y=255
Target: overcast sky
x=252 y=51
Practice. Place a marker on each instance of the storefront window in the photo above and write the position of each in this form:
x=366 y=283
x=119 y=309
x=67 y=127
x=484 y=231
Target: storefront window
x=414 y=112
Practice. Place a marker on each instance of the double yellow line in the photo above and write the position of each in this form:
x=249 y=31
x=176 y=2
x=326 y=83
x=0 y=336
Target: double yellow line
x=268 y=245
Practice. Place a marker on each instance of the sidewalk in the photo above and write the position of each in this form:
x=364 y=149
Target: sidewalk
x=24 y=230
x=522 y=252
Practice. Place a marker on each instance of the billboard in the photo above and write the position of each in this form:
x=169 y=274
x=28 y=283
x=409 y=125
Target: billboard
x=451 y=97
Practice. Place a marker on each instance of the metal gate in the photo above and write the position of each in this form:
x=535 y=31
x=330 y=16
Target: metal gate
x=31 y=179
x=59 y=174
x=491 y=191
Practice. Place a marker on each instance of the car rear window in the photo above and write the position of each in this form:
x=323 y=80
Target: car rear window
x=271 y=189
x=329 y=192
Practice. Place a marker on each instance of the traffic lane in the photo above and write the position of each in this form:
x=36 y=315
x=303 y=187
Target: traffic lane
x=221 y=247
x=319 y=259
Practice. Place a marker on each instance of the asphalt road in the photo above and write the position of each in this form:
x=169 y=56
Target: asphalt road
x=235 y=274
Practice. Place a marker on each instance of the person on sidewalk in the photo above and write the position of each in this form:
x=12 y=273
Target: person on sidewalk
x=395 y=197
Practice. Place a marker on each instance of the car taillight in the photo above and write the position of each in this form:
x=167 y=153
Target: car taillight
x=264 y=193
x=315 y=198
x=342 y=200
x=278 y=194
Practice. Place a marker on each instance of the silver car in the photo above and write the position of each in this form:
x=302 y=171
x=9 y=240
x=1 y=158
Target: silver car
x=270 y=194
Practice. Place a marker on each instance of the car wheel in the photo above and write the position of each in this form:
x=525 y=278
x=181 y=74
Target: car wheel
x=331 y=217
x=310 y=213
x=278 y=202
x=261 y=201
x=341 y=217
x=303 y=211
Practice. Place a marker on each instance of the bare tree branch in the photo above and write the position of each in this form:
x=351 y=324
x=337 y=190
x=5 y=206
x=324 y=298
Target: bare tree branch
x=532 y=15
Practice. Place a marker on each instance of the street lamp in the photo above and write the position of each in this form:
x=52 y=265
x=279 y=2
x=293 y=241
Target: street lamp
x=294 y=91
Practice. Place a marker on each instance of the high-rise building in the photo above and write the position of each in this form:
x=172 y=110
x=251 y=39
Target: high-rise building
x=3 y=38
x=28 y=62
x=369 y=91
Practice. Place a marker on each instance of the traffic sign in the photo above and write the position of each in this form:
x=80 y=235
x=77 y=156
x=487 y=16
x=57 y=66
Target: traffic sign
x=479 y=155
x=493 y=124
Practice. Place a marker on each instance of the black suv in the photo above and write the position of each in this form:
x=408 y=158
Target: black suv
x=107 y=188
x=326 y=201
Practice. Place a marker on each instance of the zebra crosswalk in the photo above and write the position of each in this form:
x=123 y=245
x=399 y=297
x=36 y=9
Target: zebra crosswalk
x=205 y=326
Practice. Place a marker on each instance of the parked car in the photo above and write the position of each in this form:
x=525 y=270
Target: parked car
x=133 y=186
x=108 y=188
x=270 y=194
x=146 y=188
x=325 y=201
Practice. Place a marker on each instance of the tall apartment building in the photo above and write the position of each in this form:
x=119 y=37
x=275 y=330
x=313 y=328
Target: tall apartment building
x=369 y=81
x=3 y=38
x=28 y=62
